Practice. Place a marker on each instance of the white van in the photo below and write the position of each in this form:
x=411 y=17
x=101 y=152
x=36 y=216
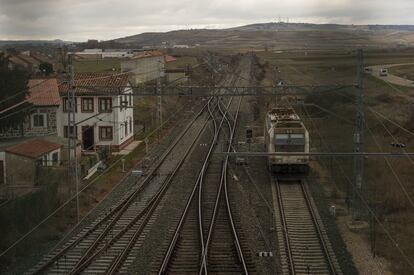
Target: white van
x=383 y=72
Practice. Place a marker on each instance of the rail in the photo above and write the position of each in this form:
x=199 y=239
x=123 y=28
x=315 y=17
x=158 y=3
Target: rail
x=301 y=194
x=118 y=210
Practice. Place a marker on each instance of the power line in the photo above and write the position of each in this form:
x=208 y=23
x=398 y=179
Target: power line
x=390 y=121
x=80 y=191
x=366 y=204
x=19 y=92
x=402 y=186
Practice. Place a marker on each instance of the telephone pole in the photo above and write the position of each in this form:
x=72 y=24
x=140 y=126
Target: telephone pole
x=72 y=134
x=359 y=140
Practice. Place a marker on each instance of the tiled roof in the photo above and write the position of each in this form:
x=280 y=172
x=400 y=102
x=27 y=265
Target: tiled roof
x=34 y=148
x=41 y=58
x=28 y=59
x=15 y=60
x=169 y=58
x=43 y=92
x=90 y=83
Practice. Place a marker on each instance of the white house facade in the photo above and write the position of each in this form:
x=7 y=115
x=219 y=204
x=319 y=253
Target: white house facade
x=104 y=113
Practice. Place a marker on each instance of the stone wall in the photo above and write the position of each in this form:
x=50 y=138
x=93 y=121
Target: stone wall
x=20 y=170
x=30 y=131
x=26 y=175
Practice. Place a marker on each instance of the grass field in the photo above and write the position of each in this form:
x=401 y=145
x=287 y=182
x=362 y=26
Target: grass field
x=182 y=62
x=406 y=72
x=98 y=65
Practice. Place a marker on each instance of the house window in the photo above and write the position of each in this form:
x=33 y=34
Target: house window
x=2 y=172
x=39 y=120
x=71 y=133
x=66 y=104
x=130 y=125
x=124 y=101
x=126 y=128
x=87 y=104
x=105 y=105
x=130 y=99
x=55 y=158
x=43 y=160
x=105 y=133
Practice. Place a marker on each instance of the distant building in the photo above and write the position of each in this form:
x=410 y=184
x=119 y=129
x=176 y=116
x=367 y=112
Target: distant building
x=42 y=58
x=117 y=54
x=29 y=61
x=92 y=43
x=91 y=51
x=107 y=53
x=104 y=113
x=44 y=96
x=24 y=61
x=144 y=66
x=181 y=46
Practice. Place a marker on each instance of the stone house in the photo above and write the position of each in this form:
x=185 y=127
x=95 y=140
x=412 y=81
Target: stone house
x=41 y=121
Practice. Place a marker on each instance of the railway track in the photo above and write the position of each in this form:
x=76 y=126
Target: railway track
x=223 y=251
x=111 y=243
x=104 y=247
x=303 y=243
x=206 y=240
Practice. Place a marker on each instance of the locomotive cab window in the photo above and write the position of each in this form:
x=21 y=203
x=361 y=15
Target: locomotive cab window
x=290 y=142
x=298 y=139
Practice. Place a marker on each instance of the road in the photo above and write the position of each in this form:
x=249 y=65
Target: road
x=393 y=79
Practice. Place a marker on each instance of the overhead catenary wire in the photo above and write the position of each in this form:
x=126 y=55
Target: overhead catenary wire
x=66 y=82
x=371 y=211
x=85 y=187
x=22 y=238
x=391 y=121
x=394 y=138
x=400 y=183
x=19 y=92
x=388 y=234
x=402 y=186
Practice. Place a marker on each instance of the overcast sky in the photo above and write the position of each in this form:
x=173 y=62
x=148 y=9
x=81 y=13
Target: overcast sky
x=79 y=20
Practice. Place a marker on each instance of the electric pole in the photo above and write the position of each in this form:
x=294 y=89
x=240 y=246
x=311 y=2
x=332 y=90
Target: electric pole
x=72 y=134
x=159 y=103
x=359 y=140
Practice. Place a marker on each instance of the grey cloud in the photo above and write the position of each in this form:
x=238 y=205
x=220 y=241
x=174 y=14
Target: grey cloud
x=105 y=19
